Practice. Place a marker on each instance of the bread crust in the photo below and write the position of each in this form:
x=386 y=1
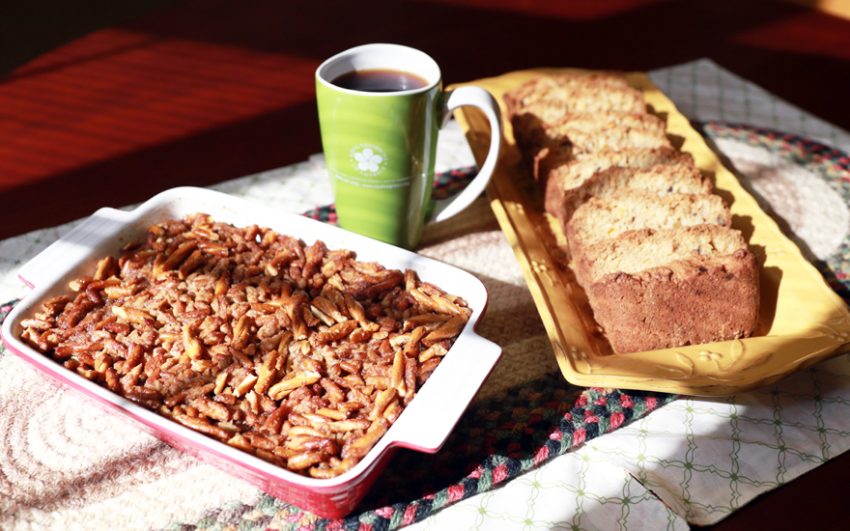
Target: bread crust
x=579 y=133
x=687 y=302
x=676 y=210
x=567 y=178
x=617 y=178
x=561 y=88
x=545 y=102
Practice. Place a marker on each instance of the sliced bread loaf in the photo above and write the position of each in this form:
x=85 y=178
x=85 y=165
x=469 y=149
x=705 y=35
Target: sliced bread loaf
x=569 y=174
x=603 y=218
x=657 y=289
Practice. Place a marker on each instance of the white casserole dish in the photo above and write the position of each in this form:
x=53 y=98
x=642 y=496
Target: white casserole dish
x=423 y=426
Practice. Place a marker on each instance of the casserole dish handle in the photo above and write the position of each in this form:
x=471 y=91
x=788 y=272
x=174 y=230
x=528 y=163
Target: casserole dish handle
x=464 y=375
x=74 y=247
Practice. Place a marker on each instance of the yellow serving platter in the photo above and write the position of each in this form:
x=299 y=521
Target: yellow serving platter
x=802 y=321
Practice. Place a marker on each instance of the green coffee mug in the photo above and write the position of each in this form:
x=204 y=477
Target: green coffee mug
x=380 y=146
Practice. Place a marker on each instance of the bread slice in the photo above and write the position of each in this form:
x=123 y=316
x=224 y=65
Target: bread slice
x=580 y=133
x=532 y=133
x=563 y=87
x=657 y=289
x=603 y=218
x=567 y=175
x=550 y=98
x=679 y=177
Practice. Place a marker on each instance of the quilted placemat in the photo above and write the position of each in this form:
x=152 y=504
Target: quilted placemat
x=803 y=183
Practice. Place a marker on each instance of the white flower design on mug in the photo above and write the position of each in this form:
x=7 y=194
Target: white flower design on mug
x=369 y=159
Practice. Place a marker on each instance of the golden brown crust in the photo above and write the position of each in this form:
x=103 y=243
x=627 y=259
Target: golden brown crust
x=684 y=303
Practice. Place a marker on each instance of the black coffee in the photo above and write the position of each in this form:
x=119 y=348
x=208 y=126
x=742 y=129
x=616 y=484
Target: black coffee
x=379 y=80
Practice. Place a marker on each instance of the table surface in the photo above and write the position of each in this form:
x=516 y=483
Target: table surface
x=194 y=93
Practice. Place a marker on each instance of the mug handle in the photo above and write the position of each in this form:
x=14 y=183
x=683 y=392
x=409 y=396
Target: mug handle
x=476 y=97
